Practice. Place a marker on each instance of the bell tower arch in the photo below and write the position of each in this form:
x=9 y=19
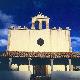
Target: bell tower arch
x=40 y=18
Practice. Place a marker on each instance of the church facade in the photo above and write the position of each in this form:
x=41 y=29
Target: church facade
x=40 y=40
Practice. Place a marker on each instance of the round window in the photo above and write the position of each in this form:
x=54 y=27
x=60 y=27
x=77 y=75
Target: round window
x=40 y=41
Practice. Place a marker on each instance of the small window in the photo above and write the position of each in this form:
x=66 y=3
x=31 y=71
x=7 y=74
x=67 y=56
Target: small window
x=36 y=24
x=40 y=41
x=44 y=24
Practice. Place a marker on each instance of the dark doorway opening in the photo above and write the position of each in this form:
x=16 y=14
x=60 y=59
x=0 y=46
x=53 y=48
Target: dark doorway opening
x=43 y=24
x=36 y=24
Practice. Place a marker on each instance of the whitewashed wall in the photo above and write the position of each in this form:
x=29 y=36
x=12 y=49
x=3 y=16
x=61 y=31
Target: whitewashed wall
x=26 y=40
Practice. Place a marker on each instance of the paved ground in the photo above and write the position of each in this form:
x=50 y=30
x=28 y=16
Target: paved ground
x=20 y=75
x=74 y=75
x=14 y=75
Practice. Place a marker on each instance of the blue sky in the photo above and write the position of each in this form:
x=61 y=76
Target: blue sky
x=62 y=13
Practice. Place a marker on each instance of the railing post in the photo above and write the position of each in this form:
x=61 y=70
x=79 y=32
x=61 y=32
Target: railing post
x=51 y=64
x=10 y=61
x=70 y=66
x=29 y=59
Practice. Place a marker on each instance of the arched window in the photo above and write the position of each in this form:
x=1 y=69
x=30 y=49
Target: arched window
x=44 y=24
x=36 y=25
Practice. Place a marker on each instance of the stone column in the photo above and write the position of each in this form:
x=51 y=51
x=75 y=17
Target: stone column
x=65 y=67
x=52 y=65
x=70 y=66
x=33 y=27
x=47 y=23
x=40 y=25
x=18 y=67
x=10 y=61
x=33 y=69
x=29 y=59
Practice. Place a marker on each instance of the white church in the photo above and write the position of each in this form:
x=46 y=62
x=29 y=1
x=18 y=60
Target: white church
x=39 y=40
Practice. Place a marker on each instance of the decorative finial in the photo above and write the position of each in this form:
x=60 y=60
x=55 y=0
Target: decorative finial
x=39 y=12
x=54 y=28
x=68 y=28
x=60 y=28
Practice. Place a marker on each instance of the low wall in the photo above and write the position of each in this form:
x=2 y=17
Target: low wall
x=23 y=75
x=14 y=75
x=65 y=75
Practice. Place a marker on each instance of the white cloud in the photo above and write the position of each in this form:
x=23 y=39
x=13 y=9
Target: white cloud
x=3 y=32
x=7 y=20
x=76 y=38
x=75 y=42
x=3 y=42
